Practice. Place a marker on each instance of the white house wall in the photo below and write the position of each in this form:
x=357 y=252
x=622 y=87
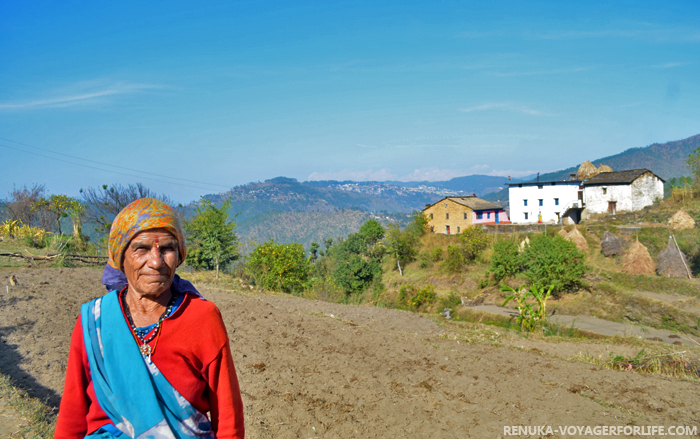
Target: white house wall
x=629 y=198
x=566 y=192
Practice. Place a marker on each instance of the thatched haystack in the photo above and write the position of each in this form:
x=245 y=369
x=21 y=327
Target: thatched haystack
x=587 y=170
x=525 y=243
x=638 y=260
x=672 y=262
x=577 y=238
x=681 y=221
x=604 y=168
x=563 y=233
x=611 y=244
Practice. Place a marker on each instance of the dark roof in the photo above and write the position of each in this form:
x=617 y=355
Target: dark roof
x=618 y=177
x=545 y=183
x=475 y=203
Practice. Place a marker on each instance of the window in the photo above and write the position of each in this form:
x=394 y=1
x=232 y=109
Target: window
x=479 y=215
x=457 y=229
x=541 y=202
x=556 y=201
x=525 y=215
x=488 y=215
x=605 y=190
x=431 y=216
x=465 y=215
x=432 y=229
x=524 y=202
x=445 y=204
x=447 y=216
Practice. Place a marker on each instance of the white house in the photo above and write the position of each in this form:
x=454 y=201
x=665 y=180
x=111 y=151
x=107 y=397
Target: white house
x=545 y=201
x=569 y=201
x=622 y=191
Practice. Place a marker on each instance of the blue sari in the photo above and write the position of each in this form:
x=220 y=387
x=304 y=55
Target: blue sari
x=129 y=387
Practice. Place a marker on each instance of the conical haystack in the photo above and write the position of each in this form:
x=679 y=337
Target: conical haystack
x=563 y=233
x=525 y=243
x=672 y=262
x=577 y=238
x=681 y=221
x=604 y=168
x=638 y=261
x=611 y=245
x=587 y=170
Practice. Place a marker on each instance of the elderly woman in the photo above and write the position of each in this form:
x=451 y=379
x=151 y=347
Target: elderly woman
x=151 y=360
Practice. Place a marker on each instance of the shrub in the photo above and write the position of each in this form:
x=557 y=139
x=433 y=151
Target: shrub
x=454 y=261
x=473 y=242
x=279 y=267
x=553 y=261
x=505 y=261
x=414 y=298
x=437 y=254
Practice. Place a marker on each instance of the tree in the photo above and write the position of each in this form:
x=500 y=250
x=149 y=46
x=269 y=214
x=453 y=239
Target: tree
x=20 y=202
x=693 y=163
x=473 y=241
x=58 y=205
x=104 y=203
x=279 y=267
x=313 y=249
x=505 y=261
x=402 y=244
x=76 y=213
x=213 y=236
x=553 y=261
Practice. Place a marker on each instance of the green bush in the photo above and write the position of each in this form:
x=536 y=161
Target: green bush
x=473 y=241
x=454 y=261
x=553 y=261
x=505 y=261
x=279 y=267
x=437 y=254
x=416 y=299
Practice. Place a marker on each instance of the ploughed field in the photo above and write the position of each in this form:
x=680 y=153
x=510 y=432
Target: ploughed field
x=316 y=369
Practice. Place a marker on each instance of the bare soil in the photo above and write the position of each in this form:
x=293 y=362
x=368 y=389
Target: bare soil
x=316 y=369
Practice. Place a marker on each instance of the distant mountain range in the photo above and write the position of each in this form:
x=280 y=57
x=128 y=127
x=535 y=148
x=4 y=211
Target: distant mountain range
x=291 y=211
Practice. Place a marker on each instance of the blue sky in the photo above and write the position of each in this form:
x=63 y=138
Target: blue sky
x=192 y=98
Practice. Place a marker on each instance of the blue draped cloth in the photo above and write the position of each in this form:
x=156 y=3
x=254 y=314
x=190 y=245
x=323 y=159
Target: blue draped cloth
x=129 y=387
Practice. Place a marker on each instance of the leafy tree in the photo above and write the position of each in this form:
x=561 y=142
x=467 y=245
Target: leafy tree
x=372 y=232
x=401 y=244
x=279 y=267
x=505 y=261
x=553 y=261
x=213 y=236
x=418 y=224
x=58 y=205
x=313 y=249
x=693 y=163
x=473 y=241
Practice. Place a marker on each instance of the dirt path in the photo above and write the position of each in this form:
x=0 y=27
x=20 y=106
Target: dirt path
x=315 y=369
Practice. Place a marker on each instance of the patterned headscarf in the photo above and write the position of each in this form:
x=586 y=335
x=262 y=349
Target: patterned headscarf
x=143 y=214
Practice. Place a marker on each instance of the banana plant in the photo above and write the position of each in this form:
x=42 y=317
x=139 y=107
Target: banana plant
x=529 y=317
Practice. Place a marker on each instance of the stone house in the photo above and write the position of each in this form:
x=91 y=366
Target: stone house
x=452 y=215
x=622 y=191
x=546 y=201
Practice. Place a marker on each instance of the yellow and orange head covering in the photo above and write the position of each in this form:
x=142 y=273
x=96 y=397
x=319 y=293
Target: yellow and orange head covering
x=143 y=214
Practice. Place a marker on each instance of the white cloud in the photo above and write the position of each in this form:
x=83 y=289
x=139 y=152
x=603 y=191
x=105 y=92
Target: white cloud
x=541 y=72
x=82 y=93
x=522 y=109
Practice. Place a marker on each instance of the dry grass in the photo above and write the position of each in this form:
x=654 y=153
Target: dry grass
x=681 y=221
x=638 y=261
x=656 y=360
x=37 y=419
x=577 y=238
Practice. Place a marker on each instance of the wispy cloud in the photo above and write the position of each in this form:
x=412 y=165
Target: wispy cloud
x=541 y=72
x=668 y=65
x=648 y=31
x=78 y=94
x=504 y=106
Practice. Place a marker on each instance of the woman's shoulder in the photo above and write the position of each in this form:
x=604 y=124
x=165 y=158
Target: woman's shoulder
x=201 y=310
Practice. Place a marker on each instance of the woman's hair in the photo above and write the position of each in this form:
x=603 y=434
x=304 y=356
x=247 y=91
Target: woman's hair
x=141 y=215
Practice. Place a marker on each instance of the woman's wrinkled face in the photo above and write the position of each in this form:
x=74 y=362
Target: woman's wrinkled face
x=150 y=261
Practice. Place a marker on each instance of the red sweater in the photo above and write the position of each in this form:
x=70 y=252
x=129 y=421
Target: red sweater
x=193 y=353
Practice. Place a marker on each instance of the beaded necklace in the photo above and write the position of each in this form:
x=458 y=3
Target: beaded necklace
x=139 y=335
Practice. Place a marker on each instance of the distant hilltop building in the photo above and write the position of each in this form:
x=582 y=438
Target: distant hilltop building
x=453 y=215
x=590 y=191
